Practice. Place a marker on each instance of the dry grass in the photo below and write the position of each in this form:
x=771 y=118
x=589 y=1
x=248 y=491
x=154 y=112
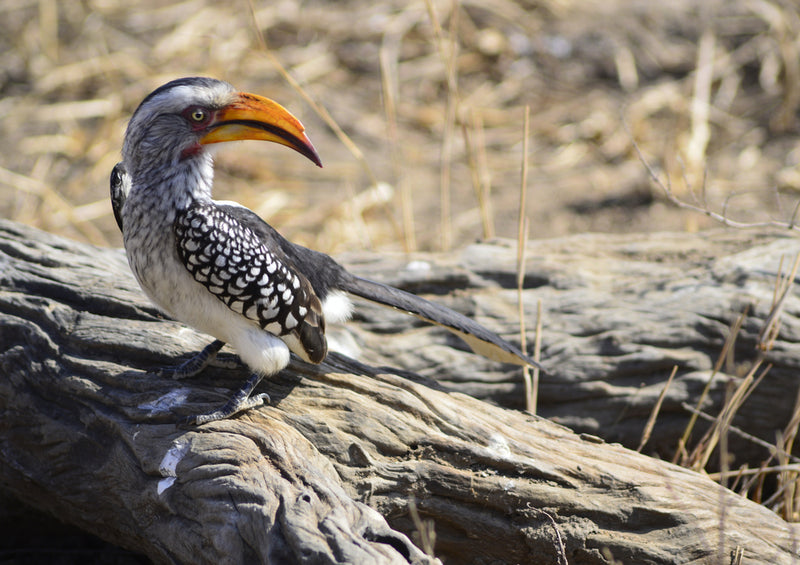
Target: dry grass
x=431 y=93
x=784 y=497
x=416 y=111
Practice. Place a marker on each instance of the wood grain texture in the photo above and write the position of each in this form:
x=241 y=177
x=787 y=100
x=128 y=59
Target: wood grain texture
x=325 y=473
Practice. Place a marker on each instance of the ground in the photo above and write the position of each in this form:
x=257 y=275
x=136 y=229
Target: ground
x=432 y=96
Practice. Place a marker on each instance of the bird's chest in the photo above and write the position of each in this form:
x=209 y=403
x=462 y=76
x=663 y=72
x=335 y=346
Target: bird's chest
x=150 y=246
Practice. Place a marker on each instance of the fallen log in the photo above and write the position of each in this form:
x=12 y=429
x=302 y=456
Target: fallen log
x=349 y=460
x=620 y=312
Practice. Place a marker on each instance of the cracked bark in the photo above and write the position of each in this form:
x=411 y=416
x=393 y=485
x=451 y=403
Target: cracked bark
x=327 y=471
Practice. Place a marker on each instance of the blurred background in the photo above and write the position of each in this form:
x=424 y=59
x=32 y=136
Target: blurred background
x=432 y=95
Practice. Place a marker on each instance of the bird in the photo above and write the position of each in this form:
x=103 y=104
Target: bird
x=220 y=268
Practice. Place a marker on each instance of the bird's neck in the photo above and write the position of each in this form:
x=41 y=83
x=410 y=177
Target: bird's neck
x=176 y=186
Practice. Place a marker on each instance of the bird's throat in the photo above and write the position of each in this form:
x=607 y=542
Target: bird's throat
x=191 y=151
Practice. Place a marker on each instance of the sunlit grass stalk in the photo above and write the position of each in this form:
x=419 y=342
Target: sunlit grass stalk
x=531 y=381
x=729 y=341
x=481 y=181
x=388 y=64
x=651 y=421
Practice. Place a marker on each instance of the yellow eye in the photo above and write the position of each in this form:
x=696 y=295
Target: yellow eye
x=198 y=115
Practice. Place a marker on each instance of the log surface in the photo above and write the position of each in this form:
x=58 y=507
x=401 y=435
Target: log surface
x=326 y=472
x=619 y=312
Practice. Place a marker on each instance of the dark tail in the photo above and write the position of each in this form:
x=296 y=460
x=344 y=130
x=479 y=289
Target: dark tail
x=481 y=340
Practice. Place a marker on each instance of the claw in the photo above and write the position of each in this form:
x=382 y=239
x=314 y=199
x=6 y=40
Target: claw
x=239 y=402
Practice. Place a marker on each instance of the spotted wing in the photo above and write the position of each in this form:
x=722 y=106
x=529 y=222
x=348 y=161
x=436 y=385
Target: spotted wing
x=120 y=187
x=260 y=283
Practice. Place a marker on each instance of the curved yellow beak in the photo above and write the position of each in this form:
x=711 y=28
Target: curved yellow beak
x=254 y=117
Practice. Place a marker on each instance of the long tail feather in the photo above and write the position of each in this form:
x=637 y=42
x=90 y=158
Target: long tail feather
x=481 y=340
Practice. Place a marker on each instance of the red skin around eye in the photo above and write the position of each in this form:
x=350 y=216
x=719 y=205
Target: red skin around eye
x=187 y=113
x=196 y=126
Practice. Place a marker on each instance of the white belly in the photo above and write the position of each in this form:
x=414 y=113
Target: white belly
x=155 y=263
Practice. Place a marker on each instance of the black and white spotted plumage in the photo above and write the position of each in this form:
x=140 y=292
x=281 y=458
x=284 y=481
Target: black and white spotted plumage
x=221 y=269
x=120 y=186
x=235 y=266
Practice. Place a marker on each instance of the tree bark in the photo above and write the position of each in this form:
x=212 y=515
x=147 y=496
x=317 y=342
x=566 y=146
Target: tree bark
x=349 y=458
x=619 y=313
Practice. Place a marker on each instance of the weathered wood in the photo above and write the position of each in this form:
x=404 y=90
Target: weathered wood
x=620 y=311
x=89 y=436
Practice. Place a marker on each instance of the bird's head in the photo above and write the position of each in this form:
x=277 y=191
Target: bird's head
x=179 y=120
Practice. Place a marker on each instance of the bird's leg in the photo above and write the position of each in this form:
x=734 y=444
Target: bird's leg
x=240 y=401
x=195 y=364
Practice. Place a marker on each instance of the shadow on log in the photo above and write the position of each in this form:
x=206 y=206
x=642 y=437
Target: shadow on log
x=327 y=471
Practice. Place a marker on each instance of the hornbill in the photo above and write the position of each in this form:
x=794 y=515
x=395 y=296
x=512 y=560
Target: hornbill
x=217 y=266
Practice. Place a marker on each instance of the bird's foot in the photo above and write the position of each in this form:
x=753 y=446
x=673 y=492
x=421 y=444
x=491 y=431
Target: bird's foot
x=194 y=365
x=239 y=402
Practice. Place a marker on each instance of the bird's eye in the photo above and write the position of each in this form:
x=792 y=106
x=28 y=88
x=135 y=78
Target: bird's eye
x=197 y=114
